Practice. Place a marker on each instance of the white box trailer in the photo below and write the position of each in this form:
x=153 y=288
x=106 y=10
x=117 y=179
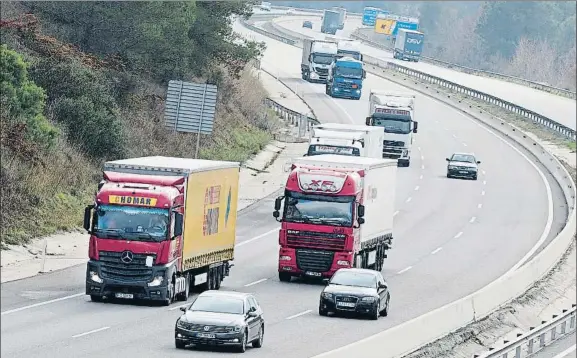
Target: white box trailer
x=369 y=138
x=378 y=185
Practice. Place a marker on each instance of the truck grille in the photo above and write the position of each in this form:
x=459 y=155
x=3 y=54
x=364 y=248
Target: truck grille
x=313 y=260
x=348 y=86
x=321 y=71
x=393 y=143
x=316 y=240
x=201 y=328
x=113 y=268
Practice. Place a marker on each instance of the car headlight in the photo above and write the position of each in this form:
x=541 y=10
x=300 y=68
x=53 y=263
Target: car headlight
x=452 y=167
x=473 y=169
x=235 y=329
x=156 y=281
x=327 y=295
x=181 y=323
x=94 y=277
x=369 y=299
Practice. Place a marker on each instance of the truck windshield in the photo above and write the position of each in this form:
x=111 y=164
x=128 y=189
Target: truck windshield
x=349 y=72
x=391 y=125
x=131 y=223
x=333 y=149
x=319 y=209
x=355 y=55
x=323 y=59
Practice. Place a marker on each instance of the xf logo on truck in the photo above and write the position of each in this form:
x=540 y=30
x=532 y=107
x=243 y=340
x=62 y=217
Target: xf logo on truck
x=414 y=41
x=211 y=210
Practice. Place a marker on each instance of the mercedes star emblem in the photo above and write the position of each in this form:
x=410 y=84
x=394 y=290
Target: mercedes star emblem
x=126 y=257
x=206 y=328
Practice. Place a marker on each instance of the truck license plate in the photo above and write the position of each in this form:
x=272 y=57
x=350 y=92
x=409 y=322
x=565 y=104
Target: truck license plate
x=314 y=274
x=205 y=335
x=346 y=304
x=124 y=295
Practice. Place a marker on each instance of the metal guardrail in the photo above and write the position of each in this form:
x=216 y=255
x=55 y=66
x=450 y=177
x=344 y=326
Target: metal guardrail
x=538 y=338
x=537 y=118
x=357 y=34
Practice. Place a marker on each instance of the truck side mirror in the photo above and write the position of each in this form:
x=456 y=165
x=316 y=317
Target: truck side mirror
x=177 y=224
x=415 y=126
x=361 y=211
x=368 y=121
x=87 y=217
x=364 y=74
x=278 y=203
x=276 y=214
x=361 y=221
x=361 y=57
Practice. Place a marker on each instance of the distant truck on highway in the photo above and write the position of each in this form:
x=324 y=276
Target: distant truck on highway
x=345 y=78
x=395 y=113
x=316 y=59
x=337 y=212
x=346 y=139
x=409 y=45
x=330 y=22
x=342 y=16
x=265 y=6
x=349 y=48
x=159 y=226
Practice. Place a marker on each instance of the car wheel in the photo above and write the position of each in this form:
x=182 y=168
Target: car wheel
x=475 y=177
x=385 y=311
x=322 y=312
x=242 y=347
x=95 y=298
x=257 y=343
x=284 y=277
x=448 y=175
x=179 y=345
x=375 y=313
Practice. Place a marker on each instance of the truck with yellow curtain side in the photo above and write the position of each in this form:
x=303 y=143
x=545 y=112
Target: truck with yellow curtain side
x=160 y=226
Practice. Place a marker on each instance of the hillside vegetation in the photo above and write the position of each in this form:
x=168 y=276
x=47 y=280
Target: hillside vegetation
x=534 y=40
x=84 y=82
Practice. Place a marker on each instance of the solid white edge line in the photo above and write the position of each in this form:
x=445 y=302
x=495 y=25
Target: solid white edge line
x=90 y=332
x=436 y=250
x=255 y=282
x=458 y=235
x=404 y=270
x=42 y=303
x=566 y=352
x=299 y=314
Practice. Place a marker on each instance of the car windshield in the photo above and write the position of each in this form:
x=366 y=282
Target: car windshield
x=356 y=279
x=355 y=55
x=229 y=305
x=131 y=223
x=393 y=125
x=465 y=158
x=349 y=72
x=319 y=209
x=323 y=59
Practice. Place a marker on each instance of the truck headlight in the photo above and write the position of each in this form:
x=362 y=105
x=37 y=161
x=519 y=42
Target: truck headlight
x=314 y=75
x=284 y=258
x=358 y=91
x=404 y=153
x=369 y=299
x=94 y=277
x=156 y=281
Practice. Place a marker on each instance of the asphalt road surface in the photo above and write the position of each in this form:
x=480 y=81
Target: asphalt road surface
x=452 y=237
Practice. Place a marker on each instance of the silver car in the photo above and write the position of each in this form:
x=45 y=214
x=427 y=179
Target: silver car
x=221 y=318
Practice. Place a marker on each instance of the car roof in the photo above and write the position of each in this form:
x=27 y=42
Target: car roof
x=461 y=153
x=231 y=294
x=358 y=270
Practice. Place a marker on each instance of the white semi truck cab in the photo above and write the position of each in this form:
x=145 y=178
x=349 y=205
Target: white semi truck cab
x=316 y=60
x=395 y=113
x=352 y=140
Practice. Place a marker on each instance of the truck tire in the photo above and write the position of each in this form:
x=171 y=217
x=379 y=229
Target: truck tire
x=218 y=276
x=167 y=301
x=284 y=277
x=183 y=296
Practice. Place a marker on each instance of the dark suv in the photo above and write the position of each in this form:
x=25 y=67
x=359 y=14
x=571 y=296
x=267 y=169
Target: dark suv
x=462 y=165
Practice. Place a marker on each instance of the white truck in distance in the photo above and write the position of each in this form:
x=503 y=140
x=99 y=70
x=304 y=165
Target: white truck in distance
x=395 y=113
x=316 y=60
x=349 y=48
x=346 y=139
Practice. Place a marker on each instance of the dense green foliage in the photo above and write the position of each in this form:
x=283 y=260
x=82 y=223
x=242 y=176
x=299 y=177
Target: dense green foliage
x=530 y=39
x=86 y=84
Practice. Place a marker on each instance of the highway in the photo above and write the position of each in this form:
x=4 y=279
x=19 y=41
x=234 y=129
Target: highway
x=452 y=238
x=563 y=348
x=561 y=109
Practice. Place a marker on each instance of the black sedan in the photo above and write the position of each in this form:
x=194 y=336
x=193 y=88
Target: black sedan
x=307 y=24
x=462 y=165
x=221 y=318
x=358 y=291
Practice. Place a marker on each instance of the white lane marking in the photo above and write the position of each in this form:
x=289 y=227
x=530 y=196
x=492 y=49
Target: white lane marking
x=42 y=303
x=177 y=307
x=90 y=332
x=465 y=144
x=417 y=188
x=405 y=270
x=484 y=182
x=256 y=282
x=395 y=213
x=473 y=219
x=409 y=199
x=299 y=314
x=454 y=136
x=479 y=206
x=565 y=353
x=419 y=149
x=483 y=192
x=256 y=238
x=436 y=250
x=422 y=157
x=422 y=167
x=458 y=235
x=421 y=177
x=484 y=172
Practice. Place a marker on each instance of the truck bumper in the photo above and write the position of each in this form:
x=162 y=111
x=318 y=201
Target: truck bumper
x=97 y=284
x=341 y=93
x=315 y=263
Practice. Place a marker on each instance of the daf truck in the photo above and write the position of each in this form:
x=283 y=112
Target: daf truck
x=316 y=59
x=330 y=22
x=409 y=45
x=160 y=226
x=346 y=139
x=345 y=78
x=336 y=212
x=342 y=16
x=395 y=113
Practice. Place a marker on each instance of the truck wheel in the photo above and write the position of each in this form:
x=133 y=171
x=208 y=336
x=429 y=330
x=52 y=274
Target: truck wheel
x=183 y=296
x=284 y=277
x=218 y=276
x=167 y=301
